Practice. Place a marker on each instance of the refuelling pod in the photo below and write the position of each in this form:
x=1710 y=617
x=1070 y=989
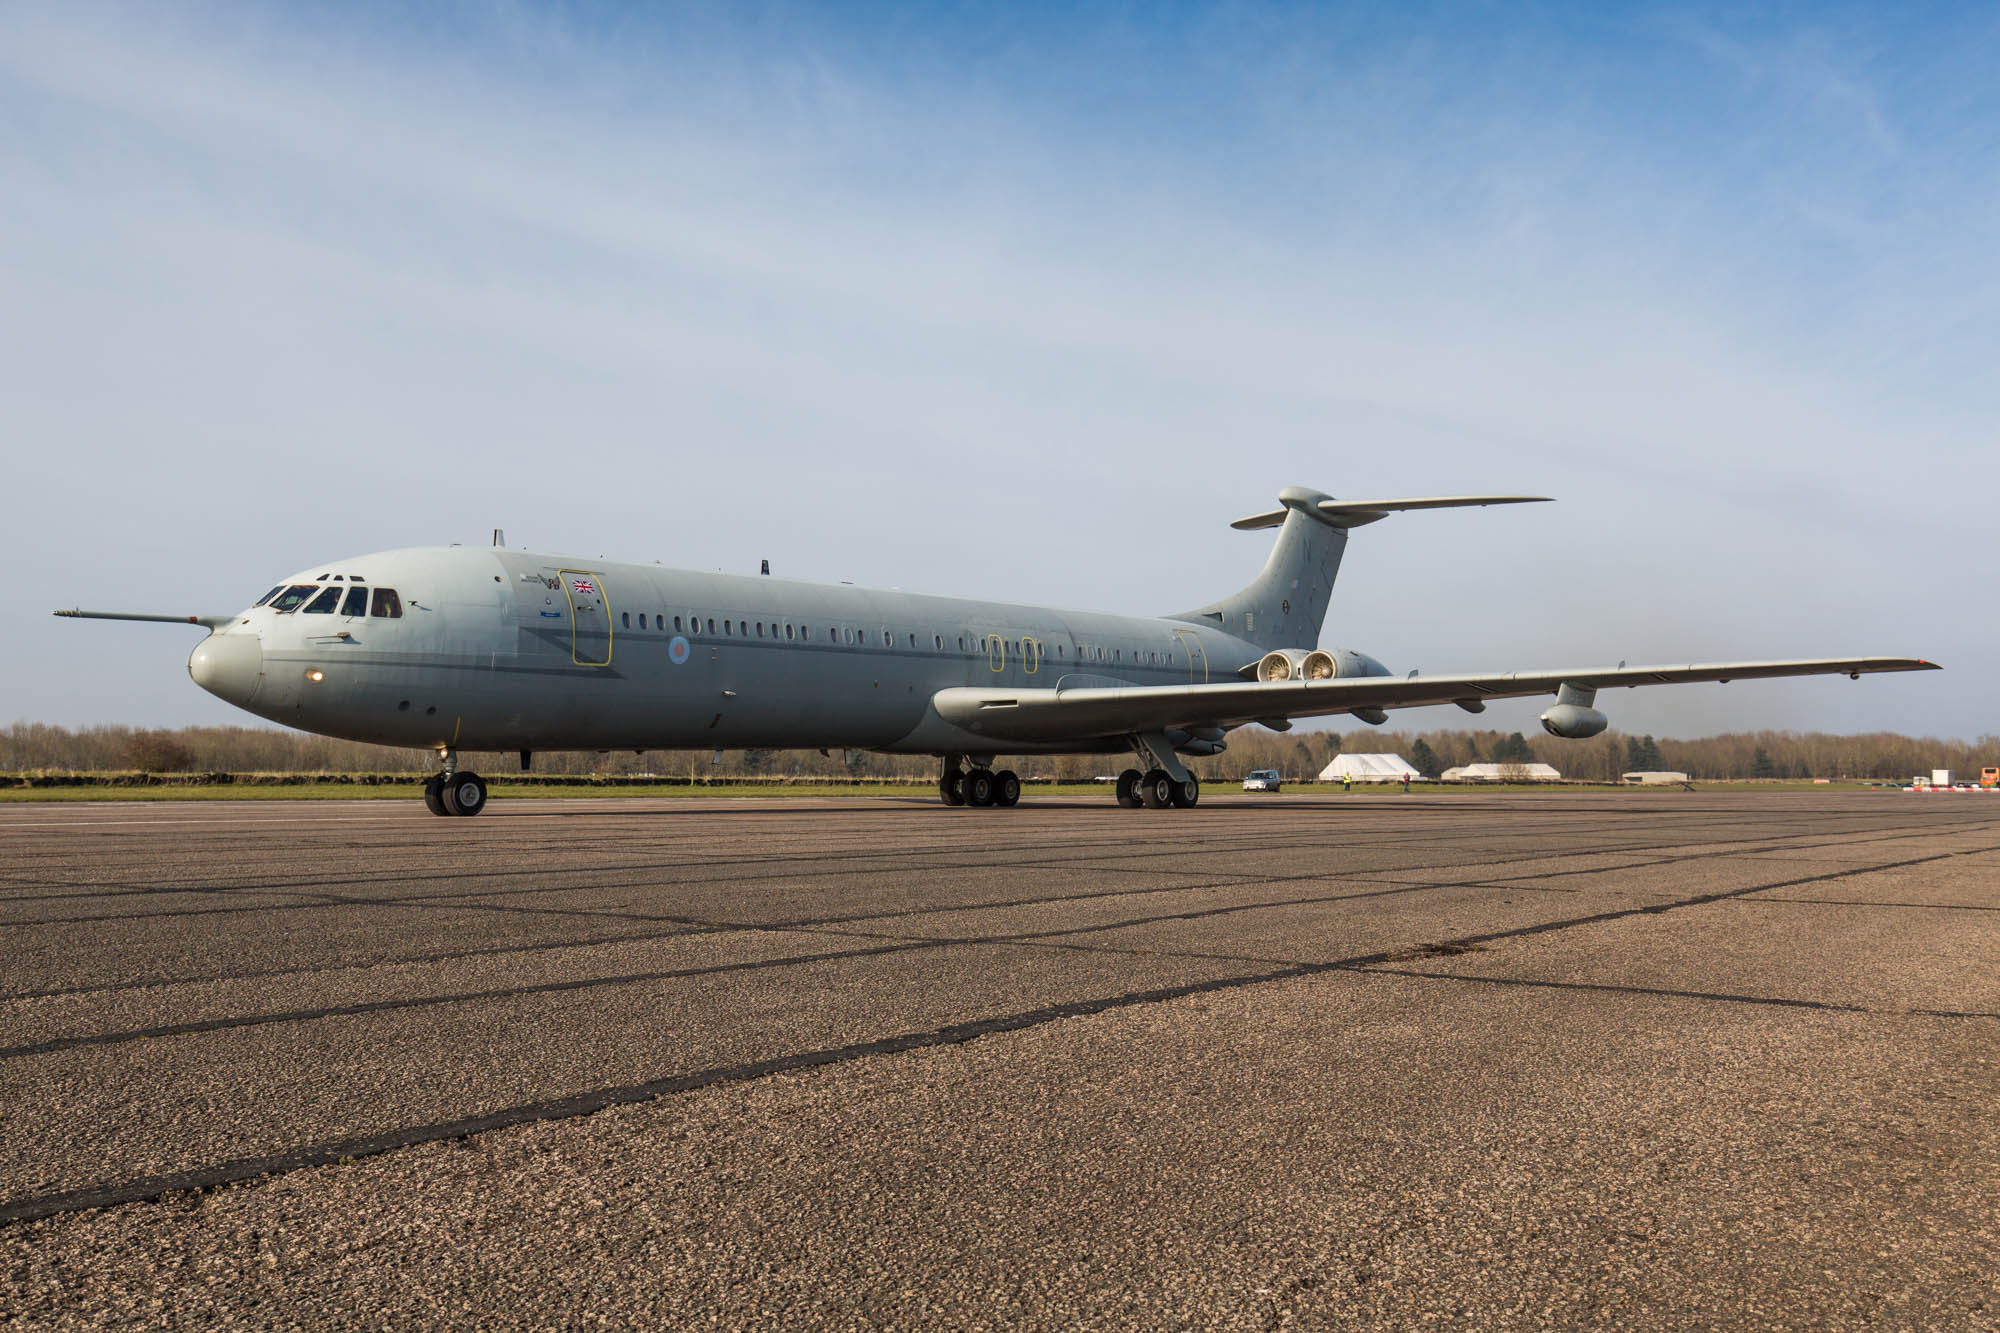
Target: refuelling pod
x=1573 y=718
x=1297 y=664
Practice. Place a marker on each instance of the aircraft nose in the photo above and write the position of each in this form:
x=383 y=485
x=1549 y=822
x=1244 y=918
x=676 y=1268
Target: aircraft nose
x=229 y=666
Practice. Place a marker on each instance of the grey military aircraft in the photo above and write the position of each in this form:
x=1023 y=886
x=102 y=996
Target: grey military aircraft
x=474 y=648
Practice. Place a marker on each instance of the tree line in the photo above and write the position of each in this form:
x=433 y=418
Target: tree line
x=1299 y=756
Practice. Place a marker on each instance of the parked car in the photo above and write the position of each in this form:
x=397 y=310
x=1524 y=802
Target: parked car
x=1262 y=779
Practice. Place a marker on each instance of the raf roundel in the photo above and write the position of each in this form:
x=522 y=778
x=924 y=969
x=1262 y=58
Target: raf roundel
x=677 y=650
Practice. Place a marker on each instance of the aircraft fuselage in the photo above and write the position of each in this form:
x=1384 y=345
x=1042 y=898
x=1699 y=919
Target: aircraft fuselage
x=498 y=649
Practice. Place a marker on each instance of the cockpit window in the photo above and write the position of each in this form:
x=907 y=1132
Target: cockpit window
x=323 y=604
x=268 y=596
x=357 y=602
x=387 y=603
x=289 y=599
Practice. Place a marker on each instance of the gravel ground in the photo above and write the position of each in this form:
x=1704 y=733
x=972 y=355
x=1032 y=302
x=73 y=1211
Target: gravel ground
x=1649 y=1060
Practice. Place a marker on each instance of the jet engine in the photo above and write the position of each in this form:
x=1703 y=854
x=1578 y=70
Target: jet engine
x=1573 y=718
x=1296 y=664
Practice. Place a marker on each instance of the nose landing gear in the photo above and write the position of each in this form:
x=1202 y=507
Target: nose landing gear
x=450 y=792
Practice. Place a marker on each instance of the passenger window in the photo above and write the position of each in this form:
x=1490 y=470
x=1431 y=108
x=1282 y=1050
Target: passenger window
x=289 y=599
x=727 y=628
x=888 y=639
x=625 y=619
x=937 y=642
x=356 y=603
x=386 y=603
x=267 y=596
x=711 y=624
x=760 y=629
x=788 y=631
x=677 y=624
x=323 y=604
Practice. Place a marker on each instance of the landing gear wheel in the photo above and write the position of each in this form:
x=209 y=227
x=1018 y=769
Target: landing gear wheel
x=1187 y=793
x=465 y=794
x=1006 y=788
x=978 y=788
x=951 y=788
x=1157 y=791
x=434 y=794
x=1128 y=788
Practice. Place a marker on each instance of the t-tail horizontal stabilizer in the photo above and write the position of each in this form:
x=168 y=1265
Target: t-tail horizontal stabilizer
x=1354 y=513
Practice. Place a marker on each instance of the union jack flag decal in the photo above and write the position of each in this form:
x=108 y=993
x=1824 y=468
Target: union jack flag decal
x=584 y=586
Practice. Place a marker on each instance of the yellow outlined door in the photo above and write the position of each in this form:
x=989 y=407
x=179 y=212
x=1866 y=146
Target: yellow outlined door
x=589 y=617
x=996 y=652
x=1197 y=656
x=1031 y=655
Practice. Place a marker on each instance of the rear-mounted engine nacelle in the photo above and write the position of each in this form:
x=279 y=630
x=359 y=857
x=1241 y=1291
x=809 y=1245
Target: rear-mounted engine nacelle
x=1319 y=664
x=1297 y=664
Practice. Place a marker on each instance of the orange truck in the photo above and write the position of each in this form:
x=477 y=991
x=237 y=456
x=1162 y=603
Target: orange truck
x=1989 y=777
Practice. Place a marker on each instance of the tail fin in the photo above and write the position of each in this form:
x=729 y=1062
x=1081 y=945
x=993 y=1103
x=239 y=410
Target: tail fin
x=1285 y=606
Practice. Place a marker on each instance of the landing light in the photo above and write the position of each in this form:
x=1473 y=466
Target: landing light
x=315 y=675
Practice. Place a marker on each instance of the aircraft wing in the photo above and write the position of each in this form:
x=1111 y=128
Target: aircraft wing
x=1060 y=714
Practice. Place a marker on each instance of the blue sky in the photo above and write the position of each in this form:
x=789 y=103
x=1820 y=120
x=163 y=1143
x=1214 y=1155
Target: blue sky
x=1024 y=303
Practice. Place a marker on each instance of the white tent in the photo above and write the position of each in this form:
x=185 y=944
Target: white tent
x=1502 y=773
x=1368 y=768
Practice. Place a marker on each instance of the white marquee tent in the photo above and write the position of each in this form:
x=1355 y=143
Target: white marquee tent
x=1369 y=768
x=1502 y=773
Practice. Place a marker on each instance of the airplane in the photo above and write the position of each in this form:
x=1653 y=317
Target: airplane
x=473 y=648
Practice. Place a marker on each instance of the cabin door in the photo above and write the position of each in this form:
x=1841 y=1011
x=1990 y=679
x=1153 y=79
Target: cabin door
x=1197 y=657
x=589 y=617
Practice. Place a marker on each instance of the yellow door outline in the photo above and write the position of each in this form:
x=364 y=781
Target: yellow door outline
x=1197 y=656
x=996 y=652
x=1031 y=655
x=604 y=601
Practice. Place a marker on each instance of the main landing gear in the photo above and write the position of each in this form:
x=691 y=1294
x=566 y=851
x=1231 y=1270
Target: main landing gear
x=1157 y=790
x=1165 y=785
x=978 y=787
x=451 y=792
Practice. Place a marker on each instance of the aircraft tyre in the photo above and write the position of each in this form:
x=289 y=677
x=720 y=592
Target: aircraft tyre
x=951 y=788
x=465 y=794
x=1006 y=788
x=1128 y=788
x=1157 y=791
x=978 y=788
x=1187 y=793
x=434 y=794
